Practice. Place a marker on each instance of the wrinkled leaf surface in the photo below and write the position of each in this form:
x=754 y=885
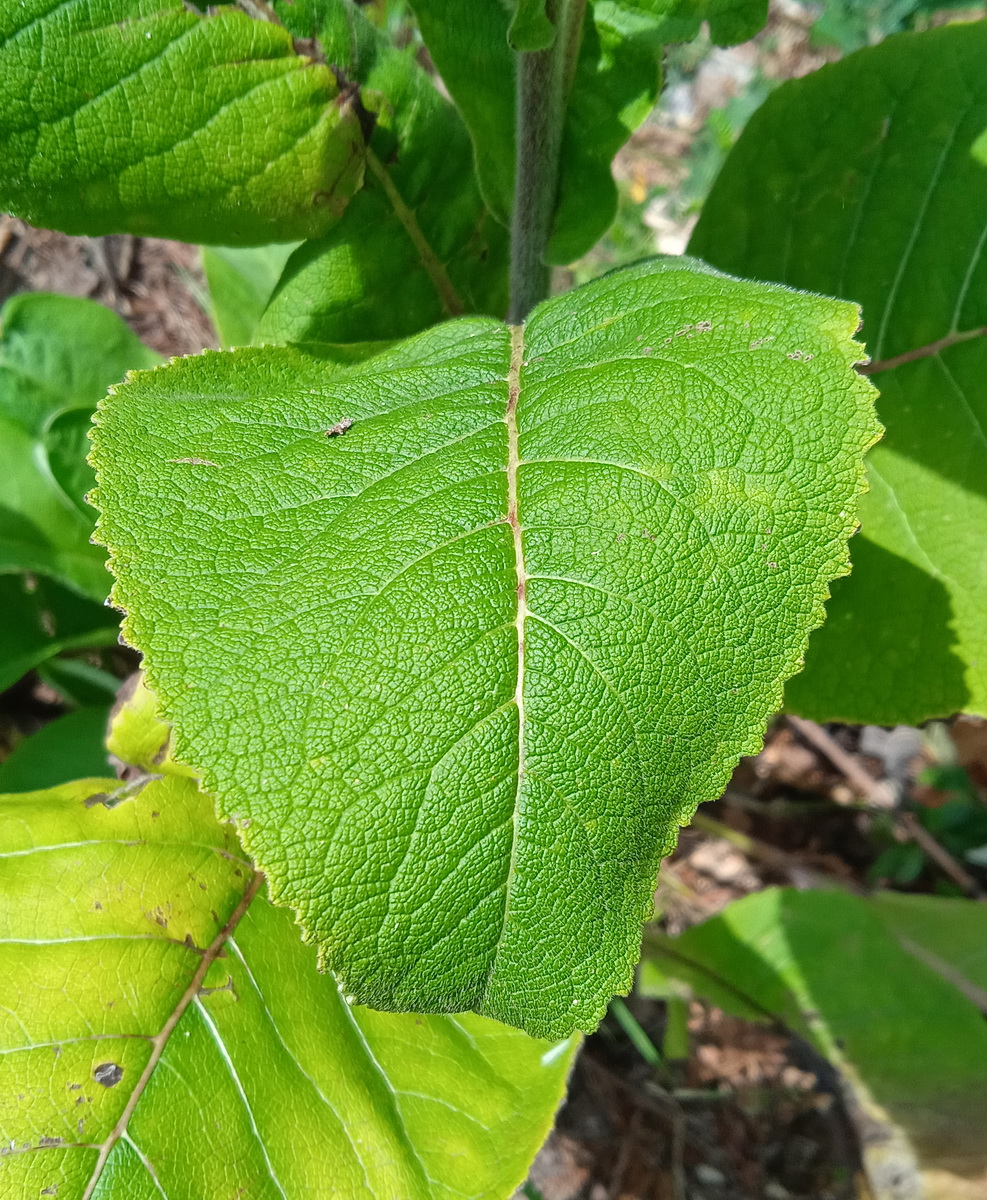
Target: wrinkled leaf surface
x=467 y=630
x=864 y=180
x=145 y=117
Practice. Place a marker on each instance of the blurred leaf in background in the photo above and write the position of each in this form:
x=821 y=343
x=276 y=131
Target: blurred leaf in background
x=58 y=356
x=863 y=180
x=905 y=1030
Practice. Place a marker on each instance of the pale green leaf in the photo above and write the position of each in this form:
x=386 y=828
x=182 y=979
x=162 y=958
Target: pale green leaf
x=241 y=281
x=911 y=1048
x=165 y=1032
x=862 y=180
x=321 y=567
x=949 y=934
x=417 y=244
x=144 y=116
x=58 y=356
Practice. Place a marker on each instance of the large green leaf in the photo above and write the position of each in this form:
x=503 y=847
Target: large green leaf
x=165 y=1032
x=144 y=116
x=912 y=1050
x=949 y=934
x=615 y=85
x=417 y=244
x=57 y=358
x=863 y=180
x=467 y=630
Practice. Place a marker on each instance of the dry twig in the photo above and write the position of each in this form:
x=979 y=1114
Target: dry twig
x=878 y=794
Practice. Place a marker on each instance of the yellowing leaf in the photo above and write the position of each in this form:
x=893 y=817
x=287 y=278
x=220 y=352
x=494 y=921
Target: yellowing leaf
x=164 y=1030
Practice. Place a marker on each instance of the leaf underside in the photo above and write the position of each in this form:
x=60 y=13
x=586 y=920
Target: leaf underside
x=868 y=179
x=331 y=571
x=144 y=1053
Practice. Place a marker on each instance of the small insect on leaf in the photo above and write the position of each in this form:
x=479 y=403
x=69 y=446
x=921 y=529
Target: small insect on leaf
x=339 y=428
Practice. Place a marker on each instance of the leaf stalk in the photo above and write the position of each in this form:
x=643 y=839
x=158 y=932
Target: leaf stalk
x=543 y=83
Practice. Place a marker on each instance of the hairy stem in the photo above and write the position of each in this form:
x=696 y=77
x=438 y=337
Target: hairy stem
x=544 y=78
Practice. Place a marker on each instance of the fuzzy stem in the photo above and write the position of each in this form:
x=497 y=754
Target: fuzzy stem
x=543 y=81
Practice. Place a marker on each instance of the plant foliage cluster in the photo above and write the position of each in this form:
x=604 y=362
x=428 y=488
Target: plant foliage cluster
x=448 y=623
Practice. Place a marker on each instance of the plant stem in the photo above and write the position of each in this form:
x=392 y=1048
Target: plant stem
x=544 y=78
x=451 y=302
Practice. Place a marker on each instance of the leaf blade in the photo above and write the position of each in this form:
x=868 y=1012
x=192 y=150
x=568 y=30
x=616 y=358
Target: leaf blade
x=58 y=355
x=417 y=244
x=910 y=1047
x=211 y=167
x=397 y=573
x=883 y=201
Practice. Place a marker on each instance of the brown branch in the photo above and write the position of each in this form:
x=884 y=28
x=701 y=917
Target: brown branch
x=943 y=343
x=160 y=1040
x=879 y=795
x=876 y=792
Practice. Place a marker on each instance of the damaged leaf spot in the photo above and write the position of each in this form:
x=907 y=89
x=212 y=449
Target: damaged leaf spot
x=108 y=1074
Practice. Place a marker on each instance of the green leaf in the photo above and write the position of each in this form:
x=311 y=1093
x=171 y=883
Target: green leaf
x=165 y=1031
x=730 y=21
x=346 y=559
x=241 y=281
x=616 y=84
x=417 y=244
x=79 y=683
x=949 y=935
x=467 y=40
x=64 y=749
x=57 y=358
x=530 y=28
x=912 y=1050
x=41 y=619
x=862 y=180
x=143 y=116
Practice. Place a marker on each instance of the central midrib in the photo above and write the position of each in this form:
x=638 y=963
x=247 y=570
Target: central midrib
x=510 y=419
